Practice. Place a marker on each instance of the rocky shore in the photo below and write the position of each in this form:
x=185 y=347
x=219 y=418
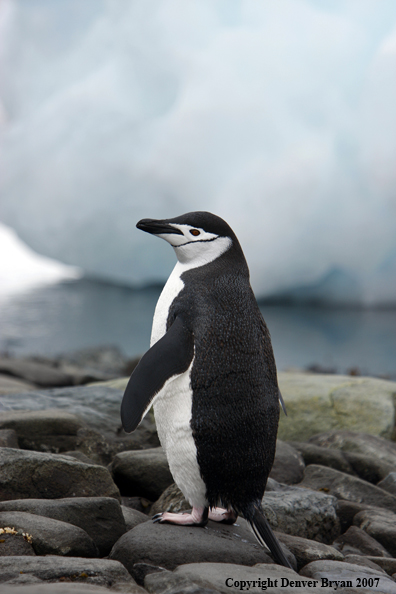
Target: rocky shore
x=77 y=494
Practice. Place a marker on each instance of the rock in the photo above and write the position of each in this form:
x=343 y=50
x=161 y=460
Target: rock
x=35 y=372
x=103 y=360
x=133 y=517
x=288 y=465
x=168 y=545
x=345 y=486
x=313 y=454
x=100 y=572
x=167 y=582
x=44 y=430
x=141 y=504
x=100 y=517
x=13 y=543
x=11 y=385
x=227 y=577
x=387 y=564
x=302 y=512
x=142 y=472
x=95 y=446
x=317 y=403
x=381 y=525
x=356 y=541
x=140 y=570
x=389 y=483
x=8 y=438
x=35 y=586
x=368 y=468
x=27 y=475
x=359 y=443
x=342 y=573
x=364 y=561
x=346 y=511
x=51 y=537
x=79 y=456
x=306 y=550
x=171 y=500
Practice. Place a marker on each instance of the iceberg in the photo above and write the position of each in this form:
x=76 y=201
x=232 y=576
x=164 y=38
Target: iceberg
x=277 y=116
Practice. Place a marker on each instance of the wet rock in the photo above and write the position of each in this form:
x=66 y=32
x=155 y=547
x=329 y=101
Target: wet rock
x=142 y=472
x=133 y=517
x=389 y=483
x=387 y=564
x=167 y=582
x=337 y=571
x=288 y=465
x=8 y=438
x=35 y=372
x=28 y=475
x=356 y=541
x=51 y=537
x=168 y=545
x=100 y=517
x=44 y=430
x=345 y=486
x=313 y=454
x=317 y=403
x=100 y=572
x=13 y=543
x=381 y=525
x=306 y=550
x=360 y=443
x=302 y=512
x=223 y=576
x=12 y=385
x=368 y=468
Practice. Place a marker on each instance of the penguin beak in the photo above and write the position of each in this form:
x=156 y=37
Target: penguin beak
x=157 y=227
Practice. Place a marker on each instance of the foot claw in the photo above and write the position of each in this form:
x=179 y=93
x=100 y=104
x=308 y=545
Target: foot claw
x=157 y=516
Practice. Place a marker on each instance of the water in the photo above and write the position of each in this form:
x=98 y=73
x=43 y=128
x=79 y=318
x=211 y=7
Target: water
x=83 y=313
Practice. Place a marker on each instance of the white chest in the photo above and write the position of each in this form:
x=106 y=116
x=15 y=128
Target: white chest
x=171 y=290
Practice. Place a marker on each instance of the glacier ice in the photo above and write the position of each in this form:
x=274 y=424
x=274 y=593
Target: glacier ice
x=278 y=116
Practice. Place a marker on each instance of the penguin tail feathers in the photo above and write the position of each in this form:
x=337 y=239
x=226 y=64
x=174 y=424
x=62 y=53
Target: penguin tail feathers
x=265 y=535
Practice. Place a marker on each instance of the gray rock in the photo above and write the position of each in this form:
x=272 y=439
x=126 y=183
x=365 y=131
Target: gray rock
x=12 y=385
x=389 y=483
x=51 y=537
x=27 y=475
x=341 y=573
x=8 y=438
x=288 y=465
x=364 y=561
x=313 y=454
x=140 y=570
x=345 y=486
x=100 y=517
x=36 y=586
x=359 y=443
x=44 y=430
x=381 y=525
x=99 y=572
x=80 y=456
x=368 y=468
x=171 y=500
x=14 y=544
x=356 y=541
x=167 y=582
x=133 y=517
x=168 y=545
x=388 y=565
x=317 y=403
x=306 y=550
x=302 y=512
x=223 y=577
x=142 y=472
x=346 y=511
x=139 y=503
x=35 y=372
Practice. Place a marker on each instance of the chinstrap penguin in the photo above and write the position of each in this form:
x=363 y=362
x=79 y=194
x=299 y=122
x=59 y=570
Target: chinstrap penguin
x=210 y=374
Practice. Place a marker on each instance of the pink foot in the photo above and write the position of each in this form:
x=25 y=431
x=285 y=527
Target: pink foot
x=197 y=517
x=218 y=514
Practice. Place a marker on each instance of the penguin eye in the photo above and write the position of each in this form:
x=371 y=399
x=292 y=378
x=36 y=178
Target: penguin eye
x=195 y=232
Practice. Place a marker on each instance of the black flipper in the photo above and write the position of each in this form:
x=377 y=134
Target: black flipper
x=170 y=356
x=265 y=535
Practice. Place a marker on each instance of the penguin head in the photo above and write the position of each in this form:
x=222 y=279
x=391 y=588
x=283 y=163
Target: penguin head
x=197 y=237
